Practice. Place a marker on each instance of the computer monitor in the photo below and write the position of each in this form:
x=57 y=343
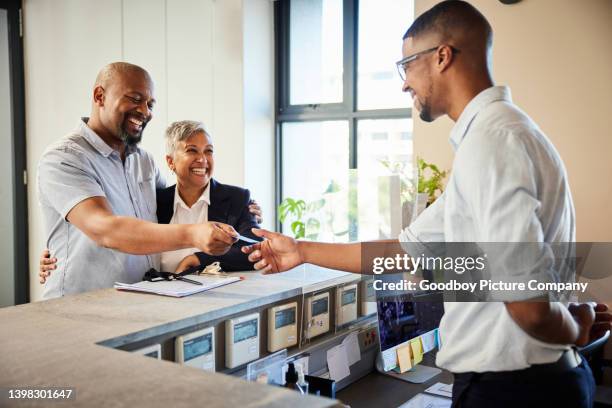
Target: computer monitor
x=402 y=317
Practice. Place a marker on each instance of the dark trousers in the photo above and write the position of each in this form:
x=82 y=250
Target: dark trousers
x=573 y=388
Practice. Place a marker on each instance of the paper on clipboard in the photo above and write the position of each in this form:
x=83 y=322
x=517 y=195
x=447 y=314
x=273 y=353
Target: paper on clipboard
x=177 y=288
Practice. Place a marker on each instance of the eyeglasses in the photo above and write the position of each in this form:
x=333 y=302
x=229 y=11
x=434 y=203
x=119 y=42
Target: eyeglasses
x=403 y=63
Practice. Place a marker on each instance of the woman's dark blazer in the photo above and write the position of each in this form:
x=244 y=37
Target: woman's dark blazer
x=229 y=205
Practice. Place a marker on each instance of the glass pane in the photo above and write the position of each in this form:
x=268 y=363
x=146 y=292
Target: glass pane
x=382 y=141
x=380 y=46
x=315 y=170
x=386 y=175
x=315 y=52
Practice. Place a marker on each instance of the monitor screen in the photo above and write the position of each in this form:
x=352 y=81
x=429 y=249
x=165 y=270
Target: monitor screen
x=319 y=306
x=245 y=330
x=284 y=318
x=198 y=346
x=349 y=296
x=403 y=317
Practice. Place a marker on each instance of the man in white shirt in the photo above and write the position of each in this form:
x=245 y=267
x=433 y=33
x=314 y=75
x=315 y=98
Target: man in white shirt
x=508 y=184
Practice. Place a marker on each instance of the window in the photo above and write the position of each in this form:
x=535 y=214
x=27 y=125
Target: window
x=341 y=112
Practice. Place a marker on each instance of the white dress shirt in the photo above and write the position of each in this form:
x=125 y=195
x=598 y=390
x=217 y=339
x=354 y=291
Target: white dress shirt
x=508 y=184
x=197 y=214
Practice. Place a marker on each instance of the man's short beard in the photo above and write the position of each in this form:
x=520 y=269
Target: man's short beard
x=425 y=113
x=129 y=139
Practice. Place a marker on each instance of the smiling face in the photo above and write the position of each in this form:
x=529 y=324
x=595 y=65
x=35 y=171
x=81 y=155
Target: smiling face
x=127 y=107
x=419 y=81
x=193 y=161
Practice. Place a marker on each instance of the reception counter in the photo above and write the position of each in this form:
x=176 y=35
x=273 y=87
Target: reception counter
x=79 y=342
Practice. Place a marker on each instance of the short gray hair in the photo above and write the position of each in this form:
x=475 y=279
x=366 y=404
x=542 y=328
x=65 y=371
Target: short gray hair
x=181 y=130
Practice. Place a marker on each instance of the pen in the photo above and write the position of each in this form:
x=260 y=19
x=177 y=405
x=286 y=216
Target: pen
x=182 y=278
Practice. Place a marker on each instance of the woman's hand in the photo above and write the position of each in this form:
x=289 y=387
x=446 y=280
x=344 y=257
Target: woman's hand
x=46 y=265
x=255 y=209
x=187 y=262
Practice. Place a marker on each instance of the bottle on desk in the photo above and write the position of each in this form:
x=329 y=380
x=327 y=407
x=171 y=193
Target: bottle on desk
x=291 y=379
x=302 y=383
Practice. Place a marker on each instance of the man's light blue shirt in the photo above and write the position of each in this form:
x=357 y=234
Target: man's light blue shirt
x=80 y=166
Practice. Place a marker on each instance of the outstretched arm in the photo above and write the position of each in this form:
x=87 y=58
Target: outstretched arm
x=94 y=217
x=278 y=253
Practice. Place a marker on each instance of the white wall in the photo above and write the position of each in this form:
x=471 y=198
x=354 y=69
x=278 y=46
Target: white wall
x=259 y=75
x=195 y=51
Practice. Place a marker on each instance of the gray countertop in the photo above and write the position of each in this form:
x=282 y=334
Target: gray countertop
x=56 y=343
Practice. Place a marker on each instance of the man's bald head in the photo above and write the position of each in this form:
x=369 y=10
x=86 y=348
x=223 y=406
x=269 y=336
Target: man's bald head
x=123 y=101
x=457 y=23
x=112 y=73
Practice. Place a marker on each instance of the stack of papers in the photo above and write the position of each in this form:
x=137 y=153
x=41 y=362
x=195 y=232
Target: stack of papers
x=342 y=356
x=427 y=401
x=445 y=390
x=178 y=288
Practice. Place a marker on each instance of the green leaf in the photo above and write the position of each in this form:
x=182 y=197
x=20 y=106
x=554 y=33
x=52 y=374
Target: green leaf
x=298 y=229
x=283 y=211
x=289 y=206
x=300 y=206
x=433 y=182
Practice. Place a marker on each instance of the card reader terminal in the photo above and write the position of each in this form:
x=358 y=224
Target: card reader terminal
x=196 y=349
x=241 y=340
x=317 y=315
x=346 y=304
x=282 y=326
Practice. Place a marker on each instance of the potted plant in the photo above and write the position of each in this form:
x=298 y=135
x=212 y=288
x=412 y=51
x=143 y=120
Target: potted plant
x=430 y=180
x=295 y=209
x=416 y=196
x=310 y=219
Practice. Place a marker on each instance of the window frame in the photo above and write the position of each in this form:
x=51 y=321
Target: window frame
x=19 y=181
x=345 y=110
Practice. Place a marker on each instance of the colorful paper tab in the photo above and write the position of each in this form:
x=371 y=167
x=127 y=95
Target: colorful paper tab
x=403 y=357
x=438 y=342
x=417 y=350
x=429 y=341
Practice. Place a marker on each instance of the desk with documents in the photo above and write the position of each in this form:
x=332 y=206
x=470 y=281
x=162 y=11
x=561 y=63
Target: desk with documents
x=81 y=341
x=77 y=341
